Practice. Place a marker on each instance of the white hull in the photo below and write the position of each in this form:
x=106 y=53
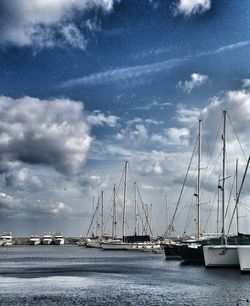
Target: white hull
x=145 y=247
x=59 y=241
x=92 y=244
x=46 y=241
x=244 y=257
x=114 y=246
x=7 y=243
x=34 y=241
x=220 y=255
x=6 y=240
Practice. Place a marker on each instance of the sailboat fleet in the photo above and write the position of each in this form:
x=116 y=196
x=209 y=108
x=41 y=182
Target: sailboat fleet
x=222 y=249
x=142 y=242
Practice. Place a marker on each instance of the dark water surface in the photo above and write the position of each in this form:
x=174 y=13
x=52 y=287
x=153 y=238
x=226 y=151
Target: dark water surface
x=72 y=275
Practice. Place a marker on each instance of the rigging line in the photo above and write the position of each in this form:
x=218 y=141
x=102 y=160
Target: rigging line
x=211 y=208
x=246 y=208
x=230 y=195
x=93 y=217
x=215 y=142
x=237 y=136
x=183 y=185
x=188 y=222
x=146 y=216
x=107 y=220
x=238 y=195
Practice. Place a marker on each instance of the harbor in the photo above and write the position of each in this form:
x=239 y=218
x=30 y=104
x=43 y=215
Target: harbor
x=85 y=276
x=124 y=153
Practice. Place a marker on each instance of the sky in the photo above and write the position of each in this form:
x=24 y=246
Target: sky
x=88 y=84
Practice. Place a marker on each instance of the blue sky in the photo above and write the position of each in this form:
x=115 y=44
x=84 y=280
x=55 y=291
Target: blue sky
x=88 y=84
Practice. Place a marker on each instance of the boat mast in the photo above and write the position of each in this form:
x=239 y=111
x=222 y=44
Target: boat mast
x=198 y=181
x=102 y=223
x=135 y=208
x=124 y=199
x=236 y=193
x=224 y=174
x=114 y=215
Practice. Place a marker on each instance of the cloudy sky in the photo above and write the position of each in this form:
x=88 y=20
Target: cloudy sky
x=88 y=84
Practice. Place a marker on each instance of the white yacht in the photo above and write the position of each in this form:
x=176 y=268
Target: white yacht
x=6 y=239
x=58 y=239
x=47 y=239
x=34 y=240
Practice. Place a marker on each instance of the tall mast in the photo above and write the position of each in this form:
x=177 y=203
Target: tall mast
x=135 y=208
x=124 y=199
x=236 y=193
x=218 y=205
x=224 y=173
x=198 y=181
x=114 y=215
x=102 y=223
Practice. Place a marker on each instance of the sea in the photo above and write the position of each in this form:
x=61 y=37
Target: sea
x=74 y=275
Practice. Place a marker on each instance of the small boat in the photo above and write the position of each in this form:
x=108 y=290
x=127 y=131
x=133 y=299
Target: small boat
x=47 y=239
x=6 y=239
x=58 y=238
x=34 y=240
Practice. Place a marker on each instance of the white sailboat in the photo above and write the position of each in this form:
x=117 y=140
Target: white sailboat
x=222 y=255
x=115 y=243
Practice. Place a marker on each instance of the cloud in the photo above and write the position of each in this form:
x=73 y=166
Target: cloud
x=121 y=74
x=246 y=83
x=98 y=118
x=173 y=136
x=139 y=72
x=191 y=7
x=54 y=133
x=197 y=80
x=136 y=134
x=47 y=23
x=23 y=179
x=26 y=208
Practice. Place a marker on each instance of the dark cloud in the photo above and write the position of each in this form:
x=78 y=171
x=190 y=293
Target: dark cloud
x=52 y=133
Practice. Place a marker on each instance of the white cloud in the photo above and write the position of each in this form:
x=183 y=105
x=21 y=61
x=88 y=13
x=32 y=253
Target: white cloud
x=98 y=118
x=140 y=71
x=133 y=134
x=188 y=116
x=41 y=132
x=46 y=23
x=189 y=7
x=246 y=83
x=23 y=179
x=197 y=80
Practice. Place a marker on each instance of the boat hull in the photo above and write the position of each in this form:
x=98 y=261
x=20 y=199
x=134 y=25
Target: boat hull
x=221 y=256
x=34 y=242
x=244 y=258
x=192 y=254
x=172 y=251
x=59 y=241
x=115 y=246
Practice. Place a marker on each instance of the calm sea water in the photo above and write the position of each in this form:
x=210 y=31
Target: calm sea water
x=72 y=275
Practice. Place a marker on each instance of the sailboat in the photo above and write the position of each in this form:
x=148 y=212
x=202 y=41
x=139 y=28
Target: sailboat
x=222 y=255
x=95 y=240
x=115 y=243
